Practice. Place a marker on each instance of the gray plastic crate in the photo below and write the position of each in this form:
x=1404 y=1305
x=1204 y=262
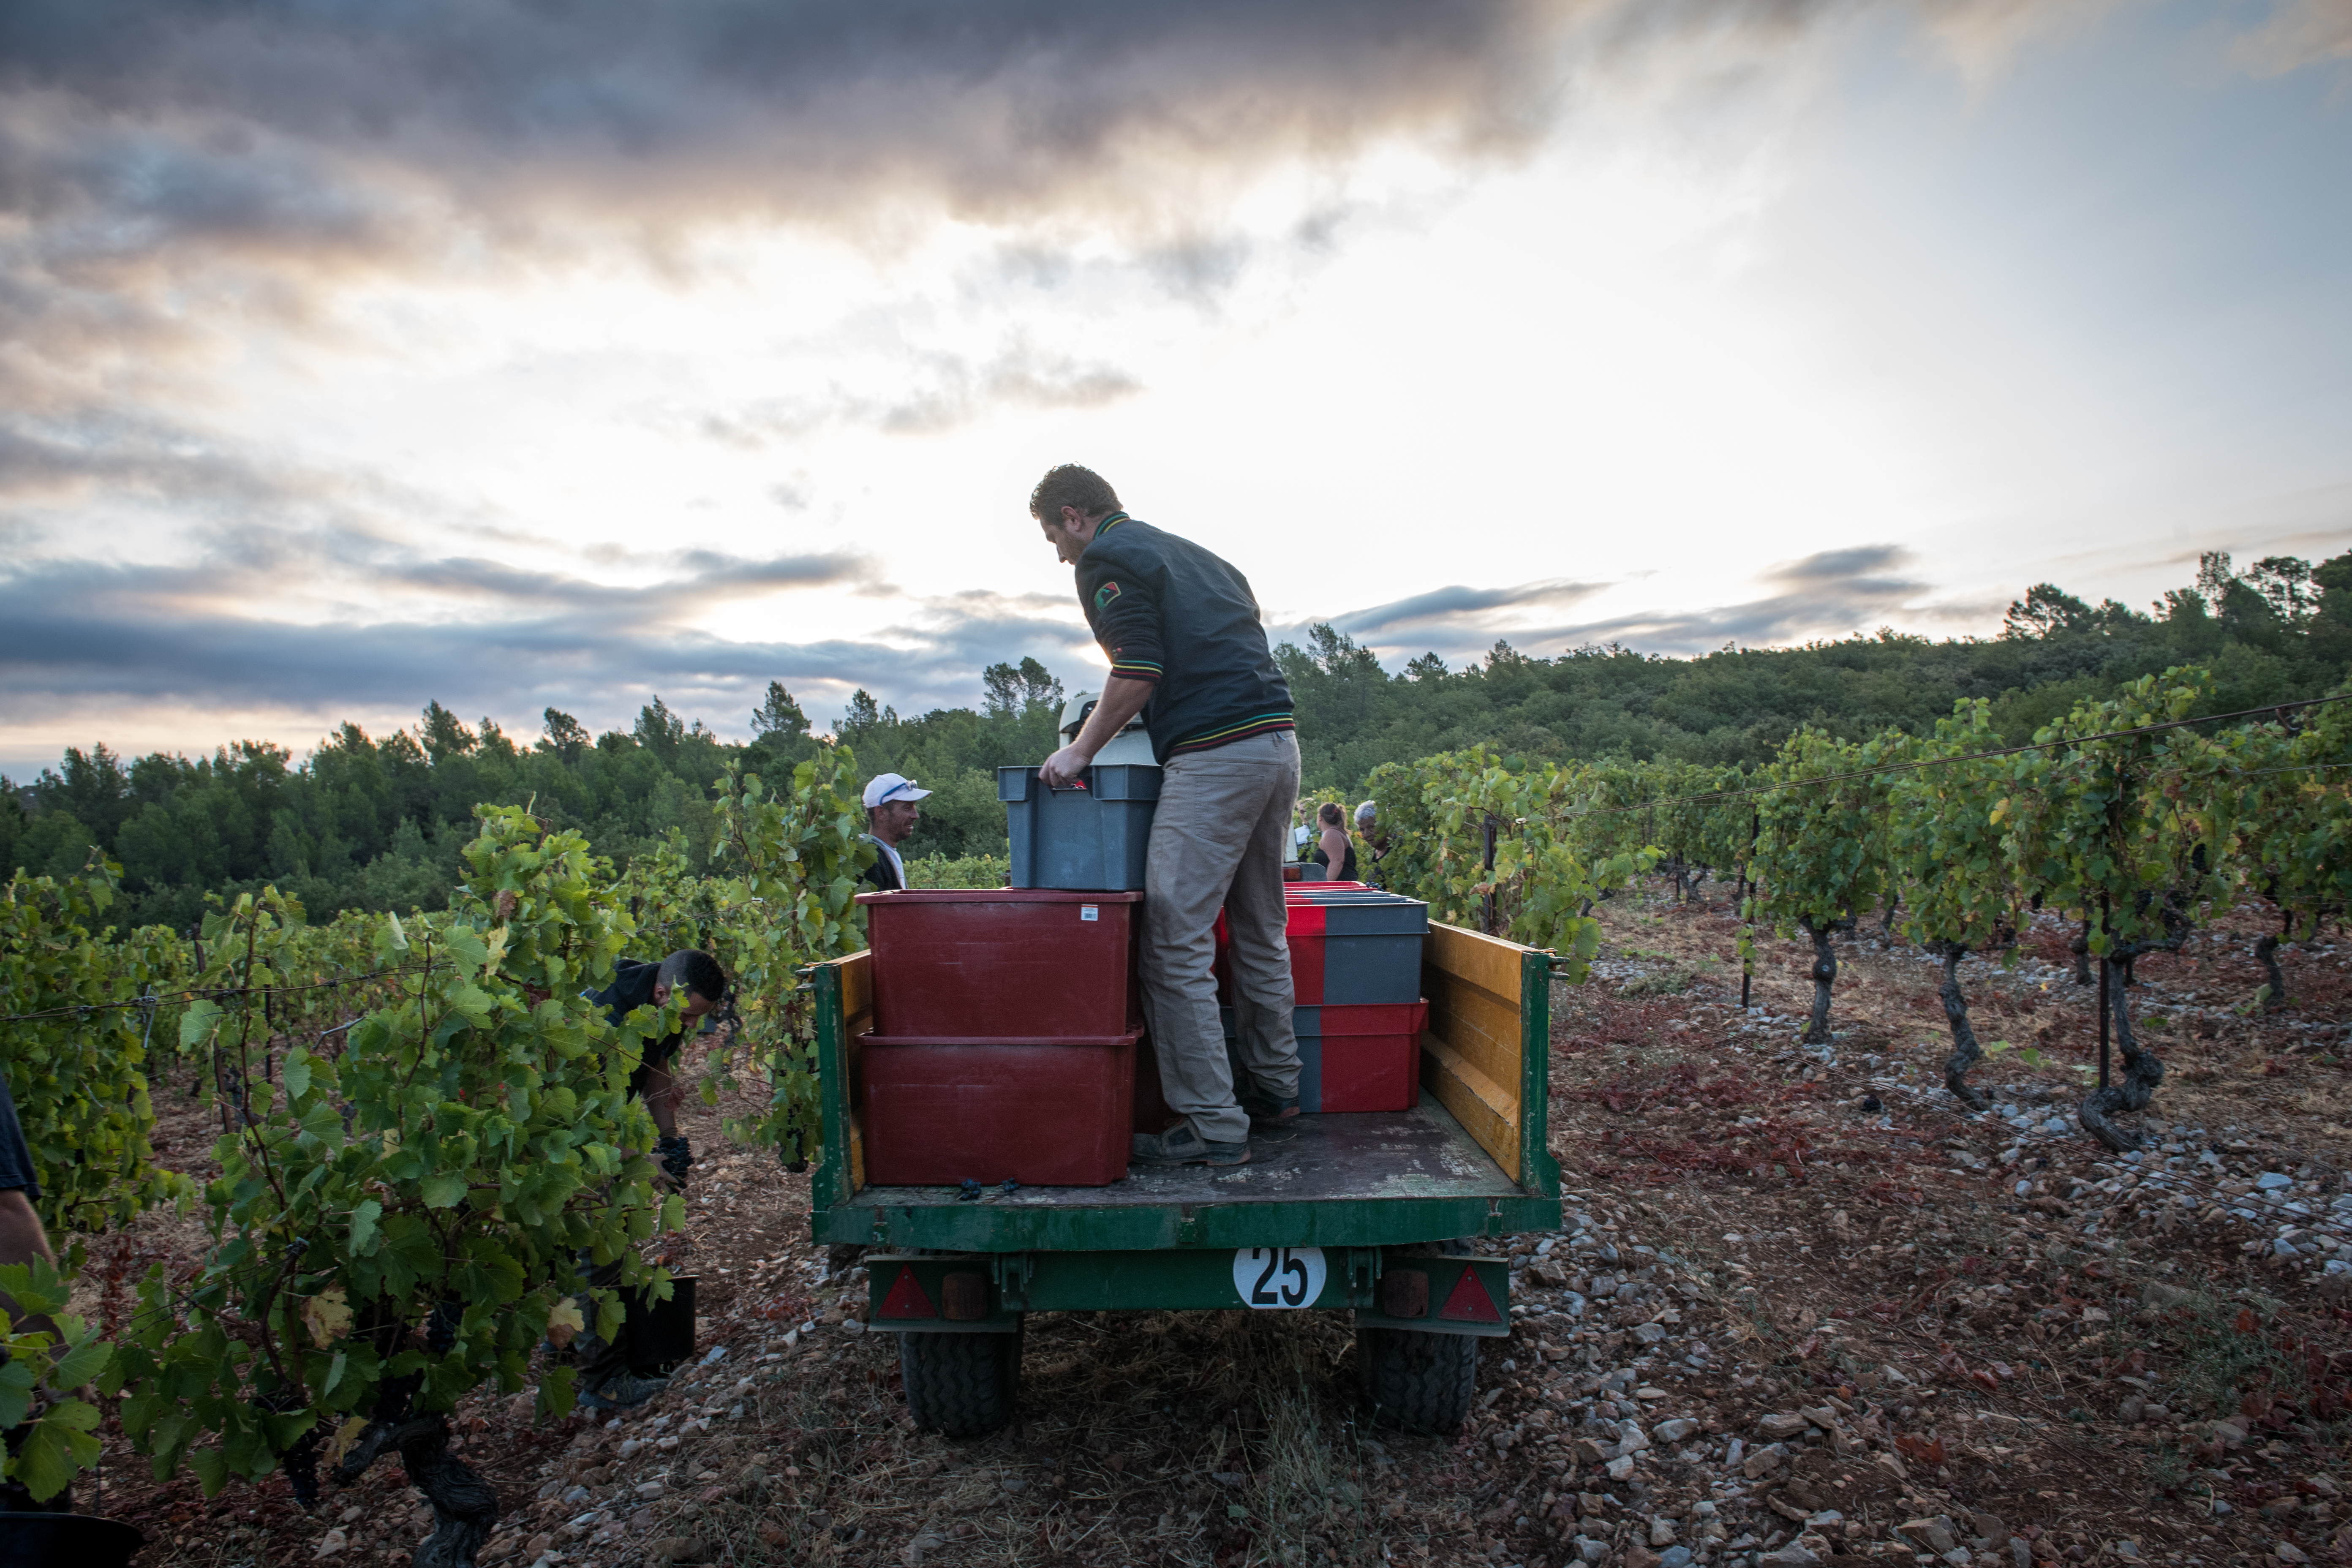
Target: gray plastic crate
x=1094 y=838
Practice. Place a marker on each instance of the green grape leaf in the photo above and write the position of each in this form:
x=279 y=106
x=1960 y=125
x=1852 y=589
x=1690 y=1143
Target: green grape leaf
x=197 y=1024
x=54 y=1447
x=15 y=1392
x=211 y=1467
x=444 y=1191
x=37 y=1286
x=85 y=1362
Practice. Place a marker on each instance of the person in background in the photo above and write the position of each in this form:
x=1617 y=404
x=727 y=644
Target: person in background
x=607 y=1381
x=1376 y=843
x=890 y=815
x=1188 y=651
x=1334 y=847
x=22 y=1239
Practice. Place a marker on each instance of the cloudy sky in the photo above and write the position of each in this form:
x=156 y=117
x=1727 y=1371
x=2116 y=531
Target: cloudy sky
x=519 y=353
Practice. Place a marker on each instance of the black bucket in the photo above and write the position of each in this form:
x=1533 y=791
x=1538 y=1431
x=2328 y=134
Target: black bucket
x=660 y=1334
x=66 y=1540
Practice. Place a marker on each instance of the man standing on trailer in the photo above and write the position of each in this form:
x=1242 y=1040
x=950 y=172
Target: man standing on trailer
x=1188 y=651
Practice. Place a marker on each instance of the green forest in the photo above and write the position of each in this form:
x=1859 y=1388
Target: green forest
x=375 y=822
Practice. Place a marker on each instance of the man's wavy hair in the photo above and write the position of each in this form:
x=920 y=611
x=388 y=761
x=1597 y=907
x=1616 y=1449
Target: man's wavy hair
x=1071 y=485
x=691 y=969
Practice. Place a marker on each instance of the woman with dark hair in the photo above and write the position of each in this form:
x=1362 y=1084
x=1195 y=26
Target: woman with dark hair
x=1335 y=848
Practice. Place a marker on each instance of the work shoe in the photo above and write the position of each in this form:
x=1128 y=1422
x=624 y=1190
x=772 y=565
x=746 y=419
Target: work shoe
x=623 y=1391
x=1180 y=1145
x=1265 y=1111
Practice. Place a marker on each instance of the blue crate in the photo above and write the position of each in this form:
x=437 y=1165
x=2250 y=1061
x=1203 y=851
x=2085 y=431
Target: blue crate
x=1094 y=838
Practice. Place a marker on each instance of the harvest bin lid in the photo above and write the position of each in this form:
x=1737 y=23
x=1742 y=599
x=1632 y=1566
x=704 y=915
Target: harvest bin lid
x=998 y=896
x=1104 y=781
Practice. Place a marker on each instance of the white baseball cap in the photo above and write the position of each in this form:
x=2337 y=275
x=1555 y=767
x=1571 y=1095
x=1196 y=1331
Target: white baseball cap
x=884 y=787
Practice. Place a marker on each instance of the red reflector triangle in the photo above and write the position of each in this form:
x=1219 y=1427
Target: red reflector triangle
x=907 y=1300
x=1469 y=1302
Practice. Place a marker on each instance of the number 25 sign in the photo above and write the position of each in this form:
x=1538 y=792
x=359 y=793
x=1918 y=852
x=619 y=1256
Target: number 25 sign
x=1275 y=1278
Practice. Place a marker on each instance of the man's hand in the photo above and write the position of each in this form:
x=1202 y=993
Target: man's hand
x=1065 y=766
x=1121 y=699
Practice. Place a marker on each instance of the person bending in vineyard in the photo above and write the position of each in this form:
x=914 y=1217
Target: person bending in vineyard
x=638 y=983
x=1188 y=651
x=607 y=1380
x=22 y=1241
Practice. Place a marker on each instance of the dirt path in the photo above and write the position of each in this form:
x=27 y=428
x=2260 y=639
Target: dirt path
x=1805 y=1308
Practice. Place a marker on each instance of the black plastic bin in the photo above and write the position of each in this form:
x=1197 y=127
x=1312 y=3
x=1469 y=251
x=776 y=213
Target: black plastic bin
x=1093 y=837
x=66 y=1540
x=660 y=1334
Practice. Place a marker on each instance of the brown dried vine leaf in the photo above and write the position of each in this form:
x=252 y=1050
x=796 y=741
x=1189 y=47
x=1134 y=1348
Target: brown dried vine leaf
x=328 y=1316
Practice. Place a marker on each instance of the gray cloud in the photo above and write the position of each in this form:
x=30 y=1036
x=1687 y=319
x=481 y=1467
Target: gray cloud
x=77 y=636
x=1829 y=594
x=1457 y=604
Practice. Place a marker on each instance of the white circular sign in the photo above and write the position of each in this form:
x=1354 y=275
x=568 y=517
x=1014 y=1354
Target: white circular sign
x=1278 y=1278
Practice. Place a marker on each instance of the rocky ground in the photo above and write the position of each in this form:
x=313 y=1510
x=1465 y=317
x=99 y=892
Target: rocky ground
x=1806 y=1308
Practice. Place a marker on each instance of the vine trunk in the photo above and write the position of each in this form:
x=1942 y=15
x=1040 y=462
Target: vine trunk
x=1966 y=1053
x=2141 y=1071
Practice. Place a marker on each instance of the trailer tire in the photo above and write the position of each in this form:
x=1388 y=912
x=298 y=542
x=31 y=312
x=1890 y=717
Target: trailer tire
x=961 y=1385
x=1419 y=1382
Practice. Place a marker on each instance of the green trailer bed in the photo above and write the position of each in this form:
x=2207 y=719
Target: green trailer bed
x=1364 y=1212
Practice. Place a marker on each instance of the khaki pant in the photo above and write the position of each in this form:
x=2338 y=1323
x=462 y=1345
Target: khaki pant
x=1217 y=842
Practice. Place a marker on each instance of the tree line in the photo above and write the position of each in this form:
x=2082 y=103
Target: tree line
x=377 y=822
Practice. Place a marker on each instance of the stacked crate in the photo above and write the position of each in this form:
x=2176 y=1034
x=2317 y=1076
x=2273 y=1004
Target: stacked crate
x=1005 y=1037
x=1355 y=972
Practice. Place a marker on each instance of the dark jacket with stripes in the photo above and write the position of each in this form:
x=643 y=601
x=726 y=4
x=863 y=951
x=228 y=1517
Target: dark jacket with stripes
x=1168 y=612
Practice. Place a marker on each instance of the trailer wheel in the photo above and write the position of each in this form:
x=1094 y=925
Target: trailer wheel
x=1421 y=1383
x=961 y=1385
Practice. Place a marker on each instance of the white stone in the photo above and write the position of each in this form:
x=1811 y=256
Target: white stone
x=332 y=1544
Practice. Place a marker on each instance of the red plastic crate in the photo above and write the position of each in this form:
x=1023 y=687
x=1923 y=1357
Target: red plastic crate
x=1047 y=1114
x=1004 y=963
x=1359 y=1057
x=1365 y=1072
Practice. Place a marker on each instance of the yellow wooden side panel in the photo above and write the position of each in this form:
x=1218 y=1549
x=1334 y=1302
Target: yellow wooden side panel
x=1483 y=1031
x=1486 y=1112
x=1489 y=963
x=1472 y=1055
x=857 y=1022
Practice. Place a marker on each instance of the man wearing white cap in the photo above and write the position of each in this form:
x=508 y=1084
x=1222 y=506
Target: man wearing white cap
x=890 y=815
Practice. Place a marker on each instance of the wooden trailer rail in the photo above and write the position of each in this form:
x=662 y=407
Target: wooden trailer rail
x=1486 y=1053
